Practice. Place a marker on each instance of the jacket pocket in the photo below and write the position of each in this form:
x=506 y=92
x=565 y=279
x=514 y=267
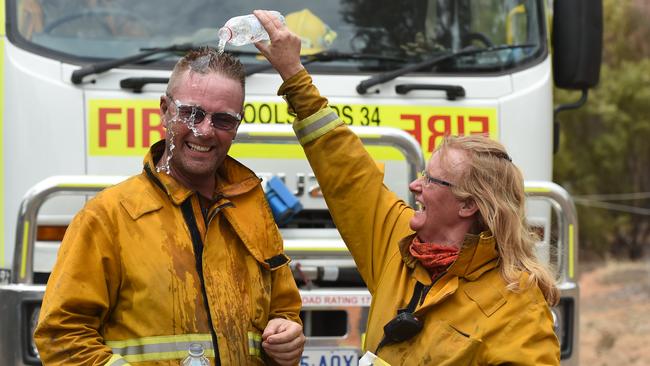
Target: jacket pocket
x=437 y=344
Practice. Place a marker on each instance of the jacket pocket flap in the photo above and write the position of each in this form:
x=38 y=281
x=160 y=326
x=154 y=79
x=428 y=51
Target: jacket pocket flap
x=138 y=206
x=488 y=298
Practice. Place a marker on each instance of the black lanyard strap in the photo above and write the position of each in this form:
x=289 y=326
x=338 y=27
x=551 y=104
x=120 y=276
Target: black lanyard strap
x=404 y=326
x=415 y=298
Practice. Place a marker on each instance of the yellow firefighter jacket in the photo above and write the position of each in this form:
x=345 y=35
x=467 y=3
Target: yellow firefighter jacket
x=142 y=273
x=469 y=316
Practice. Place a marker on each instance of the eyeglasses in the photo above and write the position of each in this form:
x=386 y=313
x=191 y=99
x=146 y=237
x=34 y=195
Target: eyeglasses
x=429 y=180
x=194 y=114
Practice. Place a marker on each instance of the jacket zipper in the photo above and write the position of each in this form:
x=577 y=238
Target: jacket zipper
x=197 y=245
x=214 y=213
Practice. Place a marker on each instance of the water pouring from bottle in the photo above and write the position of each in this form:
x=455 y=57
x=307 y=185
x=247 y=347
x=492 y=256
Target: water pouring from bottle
x=244 y=29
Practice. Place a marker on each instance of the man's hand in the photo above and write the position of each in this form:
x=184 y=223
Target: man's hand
x=284 y=50
x=283 y=341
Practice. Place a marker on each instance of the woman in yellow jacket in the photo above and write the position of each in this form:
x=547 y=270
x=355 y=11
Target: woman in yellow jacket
x=455 y=281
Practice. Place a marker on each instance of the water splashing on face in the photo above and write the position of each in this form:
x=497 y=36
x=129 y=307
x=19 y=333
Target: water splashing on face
x=195 y=131
x=164 y=168
x=170 y=146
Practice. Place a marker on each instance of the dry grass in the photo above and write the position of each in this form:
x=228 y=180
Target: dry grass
x=615 y=314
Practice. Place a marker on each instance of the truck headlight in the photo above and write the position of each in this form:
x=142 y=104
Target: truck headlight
x=20 y=309
x=33 y=320
x=563 y=325
x=31 y=310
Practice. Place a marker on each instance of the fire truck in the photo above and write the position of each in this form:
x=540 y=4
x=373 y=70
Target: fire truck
x=81 y=81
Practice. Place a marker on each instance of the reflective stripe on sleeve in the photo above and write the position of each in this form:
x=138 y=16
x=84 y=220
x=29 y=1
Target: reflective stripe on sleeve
x=254 y=344
x=316 y=125
x=160 y=347
x=117 y=360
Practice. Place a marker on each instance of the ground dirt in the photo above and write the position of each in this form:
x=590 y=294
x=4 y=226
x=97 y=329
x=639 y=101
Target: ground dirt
x=615 y=314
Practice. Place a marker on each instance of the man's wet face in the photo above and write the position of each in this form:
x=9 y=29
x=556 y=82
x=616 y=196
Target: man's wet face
x=199 y=149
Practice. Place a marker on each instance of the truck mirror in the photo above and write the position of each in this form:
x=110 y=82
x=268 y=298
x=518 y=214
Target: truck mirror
x=577 y=40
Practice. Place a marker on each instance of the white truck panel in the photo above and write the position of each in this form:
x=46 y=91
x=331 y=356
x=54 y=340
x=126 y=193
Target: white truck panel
x=42 y=97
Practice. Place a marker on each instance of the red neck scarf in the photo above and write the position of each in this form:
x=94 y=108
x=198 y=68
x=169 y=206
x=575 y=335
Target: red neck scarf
x=435 y=258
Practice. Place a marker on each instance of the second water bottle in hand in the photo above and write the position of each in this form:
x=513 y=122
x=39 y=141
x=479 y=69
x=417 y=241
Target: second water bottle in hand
x=245 y=29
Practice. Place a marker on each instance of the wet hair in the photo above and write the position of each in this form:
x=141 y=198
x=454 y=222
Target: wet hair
x=496 y=185
x=206 y=60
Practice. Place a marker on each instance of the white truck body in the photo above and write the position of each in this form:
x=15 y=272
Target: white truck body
x=65 y=133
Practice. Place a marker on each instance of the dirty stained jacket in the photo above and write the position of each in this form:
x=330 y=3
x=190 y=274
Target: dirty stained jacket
x=469 y=317
x=141 y=274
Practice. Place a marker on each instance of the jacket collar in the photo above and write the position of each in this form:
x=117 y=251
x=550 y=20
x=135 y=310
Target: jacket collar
x=232 y=178
x=478 y=254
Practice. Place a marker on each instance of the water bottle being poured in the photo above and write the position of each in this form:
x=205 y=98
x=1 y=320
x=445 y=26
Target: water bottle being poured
x=244 y=29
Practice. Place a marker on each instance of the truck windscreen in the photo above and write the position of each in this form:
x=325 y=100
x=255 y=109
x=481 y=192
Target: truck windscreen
x=410 y=30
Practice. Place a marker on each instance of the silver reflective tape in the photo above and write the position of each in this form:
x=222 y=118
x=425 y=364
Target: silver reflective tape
x=321 y=122
x=143 y=349
x=254 y=343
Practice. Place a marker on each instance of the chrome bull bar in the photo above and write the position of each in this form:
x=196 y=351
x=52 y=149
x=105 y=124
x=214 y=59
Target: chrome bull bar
x=71 y=185
x=566 y=313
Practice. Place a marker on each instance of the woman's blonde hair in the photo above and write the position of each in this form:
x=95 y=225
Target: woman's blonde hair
x=496 y=185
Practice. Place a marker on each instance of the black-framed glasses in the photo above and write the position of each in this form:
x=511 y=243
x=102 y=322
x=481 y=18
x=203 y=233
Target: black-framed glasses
x=429 y=180
x=194 y=114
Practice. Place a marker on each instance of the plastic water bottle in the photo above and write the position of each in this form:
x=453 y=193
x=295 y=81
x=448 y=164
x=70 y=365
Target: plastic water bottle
x=196 y=356
x=245 y=29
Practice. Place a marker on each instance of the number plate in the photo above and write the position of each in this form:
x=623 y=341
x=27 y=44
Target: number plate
x=329 y=357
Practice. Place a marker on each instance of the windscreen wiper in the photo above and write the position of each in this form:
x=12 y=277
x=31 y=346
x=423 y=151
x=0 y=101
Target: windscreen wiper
x=329 y=55
x=96 y=68
x=364 y=85
x=136 y=84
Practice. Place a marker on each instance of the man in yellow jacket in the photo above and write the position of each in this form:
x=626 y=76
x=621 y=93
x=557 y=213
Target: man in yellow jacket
x=186 y=252
x=455 y=281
